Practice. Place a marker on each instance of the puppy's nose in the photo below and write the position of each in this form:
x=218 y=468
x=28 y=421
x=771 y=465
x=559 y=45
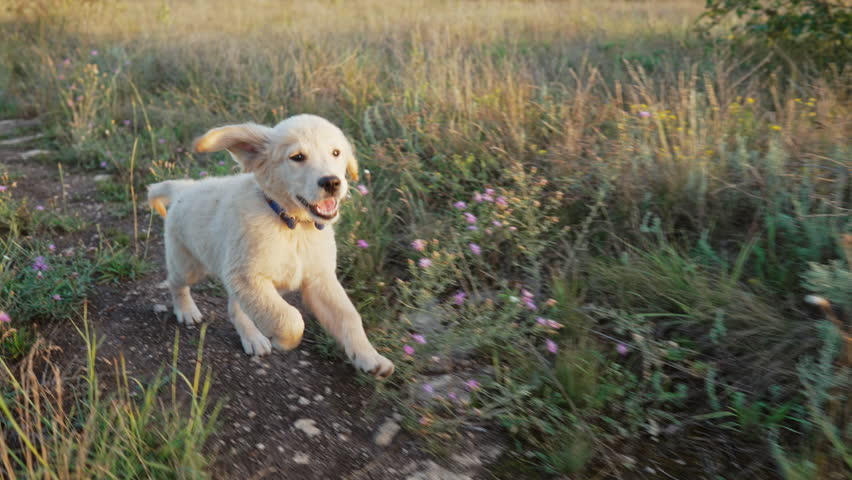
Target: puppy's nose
x=330 y=183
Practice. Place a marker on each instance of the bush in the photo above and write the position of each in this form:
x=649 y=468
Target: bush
x=819 y=27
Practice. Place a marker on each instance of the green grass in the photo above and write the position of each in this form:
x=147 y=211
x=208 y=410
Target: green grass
x=668 y=199
x=135 y=429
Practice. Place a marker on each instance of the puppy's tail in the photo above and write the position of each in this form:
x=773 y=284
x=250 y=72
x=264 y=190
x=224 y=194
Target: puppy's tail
x=160 y=194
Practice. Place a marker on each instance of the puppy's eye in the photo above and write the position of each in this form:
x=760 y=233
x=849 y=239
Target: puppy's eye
x=335 y=152
x=299 y=157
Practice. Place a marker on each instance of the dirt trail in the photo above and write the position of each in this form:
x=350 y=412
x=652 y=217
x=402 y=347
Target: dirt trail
x=290 y=415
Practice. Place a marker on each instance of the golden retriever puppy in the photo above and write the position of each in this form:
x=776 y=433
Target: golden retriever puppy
x=267 y=231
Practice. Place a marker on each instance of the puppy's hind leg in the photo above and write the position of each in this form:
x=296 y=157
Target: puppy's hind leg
x=254 y=342
x=184 y=270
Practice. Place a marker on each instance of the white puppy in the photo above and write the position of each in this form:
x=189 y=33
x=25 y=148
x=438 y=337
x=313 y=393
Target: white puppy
x=265 y=232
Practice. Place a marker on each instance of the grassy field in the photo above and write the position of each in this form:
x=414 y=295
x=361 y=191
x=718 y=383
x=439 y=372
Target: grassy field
x=601 y=223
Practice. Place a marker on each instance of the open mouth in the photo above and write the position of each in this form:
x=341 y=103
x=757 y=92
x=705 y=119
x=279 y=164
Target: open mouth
x=326 y=209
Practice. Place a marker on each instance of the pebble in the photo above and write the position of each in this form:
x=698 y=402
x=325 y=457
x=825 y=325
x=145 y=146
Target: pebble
x=308 y=426
x=386 y=432
x=160 y=308
x=304 y=401
x=301 y=458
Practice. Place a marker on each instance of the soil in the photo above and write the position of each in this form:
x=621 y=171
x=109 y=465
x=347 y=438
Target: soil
x=270 y=404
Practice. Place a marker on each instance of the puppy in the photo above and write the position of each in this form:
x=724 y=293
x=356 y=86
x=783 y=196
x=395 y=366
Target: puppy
x=265 y=232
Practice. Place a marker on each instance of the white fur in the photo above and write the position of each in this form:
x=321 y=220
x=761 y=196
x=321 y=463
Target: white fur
x=224 y=226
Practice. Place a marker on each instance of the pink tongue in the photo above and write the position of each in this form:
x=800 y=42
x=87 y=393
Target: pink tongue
x=327 y=205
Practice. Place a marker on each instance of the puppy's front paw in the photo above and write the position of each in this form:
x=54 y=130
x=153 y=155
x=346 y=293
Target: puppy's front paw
x=188 y=313
x=256 y=343
x=374 y=364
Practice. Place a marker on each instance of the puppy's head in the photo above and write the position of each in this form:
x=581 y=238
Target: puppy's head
x=301 y=162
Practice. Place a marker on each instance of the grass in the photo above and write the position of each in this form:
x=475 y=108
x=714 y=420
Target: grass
x=665 y=200
x=77 y=431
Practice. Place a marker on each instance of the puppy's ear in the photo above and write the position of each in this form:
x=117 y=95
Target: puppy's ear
x=247 y=143
x=352 y=168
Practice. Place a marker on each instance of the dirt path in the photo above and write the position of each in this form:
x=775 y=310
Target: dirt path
x=292 y=415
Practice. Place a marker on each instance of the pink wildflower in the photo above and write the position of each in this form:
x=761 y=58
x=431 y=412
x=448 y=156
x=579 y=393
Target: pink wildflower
x=554 y=324
x=551 y=346
x=57 y=297
x=408 y=349
x=472 y=228
x=428 y=388
x=161 y=141
x=460 y=205
x=4 y=317
x=424 y=421
x=419 y=245
x=203 y=173
x=472 y=384
x=469 y=217
x=477 y=197
x=541 y=321
x=496 y=223
x=424 y=263
x=622 y=349
x=104 y=164
x=221 y=163
x=3 y=188
x=363 y=244
x=501 y=201
x=476 y=249
x=51 y=247
x=362 y=189
x=418 y=338
x=40 y=208
x=40 y=265
x=489 y=191
x=459 y=298
x=127 y=123
x=94 y=53
x=644 y=114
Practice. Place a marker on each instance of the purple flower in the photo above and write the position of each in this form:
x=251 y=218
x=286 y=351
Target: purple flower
x=501 y=201
x=423 y=421
x=408 y=349
x=203 y=173
x=424 y=263
x=419 y=245
x=40 y=208
x=471 y=218
x=526 y=293
x=622 y=349
x=460 y=205
x=554 y=324
x=3 y=188
x=472 y=384
x=4 y=317
x=477 y=197
x=40 y=265
x=530 y=304
x=418 y=338
x=127 y=123
x=459 y=298
x=476 y=249
x=496 y=223
x=104 y=164
x=489 y=191
x=362 y=189
x=472 y=228
x=551 y=346
x=67 y=61
x=94 y=53
x=57 y=297
x=221 y=163
x=452 y=396
x=363 y=244
x=644 y=114
x=487 y=198
x=541 y=321
x=513 y=228
x=51 y=247
x=428 y=388
x=161 y=141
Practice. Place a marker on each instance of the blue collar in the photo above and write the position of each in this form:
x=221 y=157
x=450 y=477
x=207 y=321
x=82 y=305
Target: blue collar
x=290 y=221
